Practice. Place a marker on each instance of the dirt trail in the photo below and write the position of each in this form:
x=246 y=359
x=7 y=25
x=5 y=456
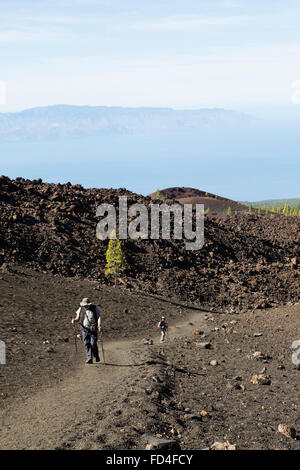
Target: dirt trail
x=68 y=411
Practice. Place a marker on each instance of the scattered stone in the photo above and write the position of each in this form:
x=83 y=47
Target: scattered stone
x=158 y=443
x=262 y=305
x=155 y=395
x=147 y=341
x=287 y=430
x=63 y=339
x=294 y=261
x=240 y=387
x=214 y=363
x=203 y=345
x=258 y=355
x=223 y=446
x=5 y=268
x=238 y=378
x=197 y=332
x=195 y=417
x=156 y=379
x=261 y=379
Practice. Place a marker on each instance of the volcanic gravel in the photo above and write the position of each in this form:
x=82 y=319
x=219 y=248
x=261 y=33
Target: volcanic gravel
x=247 y=261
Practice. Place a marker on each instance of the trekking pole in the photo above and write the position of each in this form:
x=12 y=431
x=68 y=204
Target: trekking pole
x=101 y=342
x=75 y=337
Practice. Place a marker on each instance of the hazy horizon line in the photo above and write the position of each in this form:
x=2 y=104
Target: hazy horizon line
x=122 y=107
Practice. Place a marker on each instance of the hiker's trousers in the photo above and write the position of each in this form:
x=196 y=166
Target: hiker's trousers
x=90 y=343
x=163 y=335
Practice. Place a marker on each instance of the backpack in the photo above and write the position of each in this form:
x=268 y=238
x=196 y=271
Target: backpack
x=82 y=315
x=161 y=325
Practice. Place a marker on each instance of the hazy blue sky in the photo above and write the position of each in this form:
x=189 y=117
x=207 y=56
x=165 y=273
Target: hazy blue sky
x=240 y=54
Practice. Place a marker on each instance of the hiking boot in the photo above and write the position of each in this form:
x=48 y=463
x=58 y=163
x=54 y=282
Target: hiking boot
x=97 y=359
x=89 y=361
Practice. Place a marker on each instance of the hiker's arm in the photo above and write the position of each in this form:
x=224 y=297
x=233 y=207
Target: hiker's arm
x=76 y=318
x=98 y=311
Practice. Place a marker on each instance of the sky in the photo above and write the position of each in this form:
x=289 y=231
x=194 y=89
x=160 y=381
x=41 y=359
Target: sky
x=184 y=54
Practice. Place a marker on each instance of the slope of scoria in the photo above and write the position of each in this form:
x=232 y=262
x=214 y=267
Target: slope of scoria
x=247 y=261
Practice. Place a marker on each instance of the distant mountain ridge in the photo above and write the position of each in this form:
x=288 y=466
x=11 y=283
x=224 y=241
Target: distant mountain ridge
x=65 y=121
x=292 y=202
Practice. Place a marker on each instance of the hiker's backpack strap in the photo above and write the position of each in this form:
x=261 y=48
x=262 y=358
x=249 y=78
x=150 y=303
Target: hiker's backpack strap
x=82 y=315
x=93 y=309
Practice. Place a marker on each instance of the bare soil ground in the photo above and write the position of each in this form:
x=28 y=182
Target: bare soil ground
x=239 y=295
x=51 y=400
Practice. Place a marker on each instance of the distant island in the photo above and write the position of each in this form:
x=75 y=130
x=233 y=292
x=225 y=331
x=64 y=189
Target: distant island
x=64 y=121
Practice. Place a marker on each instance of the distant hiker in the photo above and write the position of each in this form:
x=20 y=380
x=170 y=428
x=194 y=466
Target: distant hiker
x=163 y=327
x=90 y=320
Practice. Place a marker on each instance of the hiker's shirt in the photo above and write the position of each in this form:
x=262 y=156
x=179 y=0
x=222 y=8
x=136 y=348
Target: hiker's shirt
x=90 y=318
x=163 y=326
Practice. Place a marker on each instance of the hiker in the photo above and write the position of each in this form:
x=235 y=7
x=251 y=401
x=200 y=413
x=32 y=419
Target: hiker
x=90 y=320
x=162 y=325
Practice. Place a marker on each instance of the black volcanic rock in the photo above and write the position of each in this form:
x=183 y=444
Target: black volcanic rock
x=246 y=259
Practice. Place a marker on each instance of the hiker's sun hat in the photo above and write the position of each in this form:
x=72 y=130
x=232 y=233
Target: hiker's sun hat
x=85 y=302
